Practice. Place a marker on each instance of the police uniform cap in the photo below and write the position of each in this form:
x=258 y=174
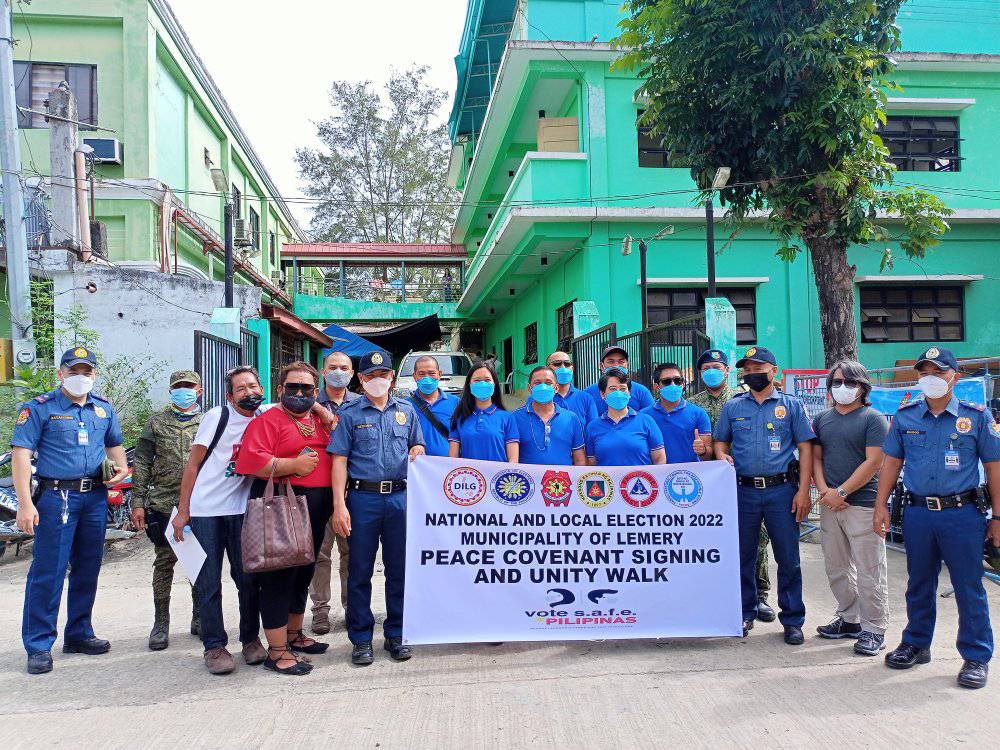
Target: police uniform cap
x=184 y=376
x=757 y=354
x=373 y=361
x=78 y=355
x=940 y=357
x=613 y=348
x=712 y=355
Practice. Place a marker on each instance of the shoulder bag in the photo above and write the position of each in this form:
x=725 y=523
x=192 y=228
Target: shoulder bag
x=276 y=531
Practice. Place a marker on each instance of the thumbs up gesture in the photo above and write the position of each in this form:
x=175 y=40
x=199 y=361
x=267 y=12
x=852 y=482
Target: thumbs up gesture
x=699 y=444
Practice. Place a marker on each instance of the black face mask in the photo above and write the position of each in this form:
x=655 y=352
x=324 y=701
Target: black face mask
x=250 y=403
x=757 y=381
x=297 y=404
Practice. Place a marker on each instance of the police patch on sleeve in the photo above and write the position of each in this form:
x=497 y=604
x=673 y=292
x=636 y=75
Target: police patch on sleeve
x=23 y=415
x=995 y=429
x=335 y=422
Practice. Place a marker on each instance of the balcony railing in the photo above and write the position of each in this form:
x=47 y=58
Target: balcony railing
x=377 y=290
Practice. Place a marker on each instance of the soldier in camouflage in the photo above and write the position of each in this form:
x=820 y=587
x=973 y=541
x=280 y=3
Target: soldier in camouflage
x=713 y=367
x=160 y=456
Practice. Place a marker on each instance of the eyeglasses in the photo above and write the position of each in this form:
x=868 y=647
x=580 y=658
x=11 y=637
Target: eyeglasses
x=563 y=363
x=849 y=382
x=671 y=381
x=303 y=389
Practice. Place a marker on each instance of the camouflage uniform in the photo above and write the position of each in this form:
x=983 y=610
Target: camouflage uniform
x=712 y=403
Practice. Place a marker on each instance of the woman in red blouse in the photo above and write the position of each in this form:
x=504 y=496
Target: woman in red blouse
x=289 y=441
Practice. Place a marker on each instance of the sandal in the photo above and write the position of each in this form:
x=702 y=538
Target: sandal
x=298 y=669
x=296 y=643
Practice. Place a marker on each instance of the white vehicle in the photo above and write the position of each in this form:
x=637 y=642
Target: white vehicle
x=455 y=367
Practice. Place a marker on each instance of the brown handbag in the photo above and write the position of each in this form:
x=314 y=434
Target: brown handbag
x=276 y=531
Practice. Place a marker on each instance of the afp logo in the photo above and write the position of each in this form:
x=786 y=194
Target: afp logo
x=512 y=487
x=638 y=489
x=683 y=488
x=465 y=486
x=595 y=489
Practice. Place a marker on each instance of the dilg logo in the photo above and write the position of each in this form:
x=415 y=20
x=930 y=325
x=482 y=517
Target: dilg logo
x=464 y=486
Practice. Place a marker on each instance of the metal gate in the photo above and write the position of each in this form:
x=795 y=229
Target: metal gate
x=214 y=357
x=586 y=351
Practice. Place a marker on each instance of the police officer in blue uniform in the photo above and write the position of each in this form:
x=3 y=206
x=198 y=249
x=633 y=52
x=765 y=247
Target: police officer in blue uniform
x=759 y=432
x=72 y=430
x=615 y=359
x=941 y=441
x=371 y=441
x=434 y=407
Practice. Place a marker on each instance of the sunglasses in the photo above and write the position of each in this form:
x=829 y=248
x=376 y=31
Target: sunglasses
x=303 y=389
x=849 y=382
x=563 y=363
x=671 y=381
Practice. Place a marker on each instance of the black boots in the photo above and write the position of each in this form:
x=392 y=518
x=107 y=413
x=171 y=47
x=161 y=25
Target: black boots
x=159 y=636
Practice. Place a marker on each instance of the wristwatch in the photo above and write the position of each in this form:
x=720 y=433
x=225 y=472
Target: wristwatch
x=840 y=491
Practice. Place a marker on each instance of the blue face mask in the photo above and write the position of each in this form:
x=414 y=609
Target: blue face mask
x=482 y=390
x=617 y=399
x=543 y=393
x=183 y=398
x=615 y=368
x=713 y=377
x=564 y=375
x=671 y=392
x=427 y=385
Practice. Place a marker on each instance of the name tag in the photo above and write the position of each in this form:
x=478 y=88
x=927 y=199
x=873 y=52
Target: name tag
x=951 y=460
x=82 y=437
x=775 y=443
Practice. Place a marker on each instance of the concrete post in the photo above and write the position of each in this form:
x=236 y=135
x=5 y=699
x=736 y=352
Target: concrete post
x=720 y=327
x=263 y=364
x=62 y=153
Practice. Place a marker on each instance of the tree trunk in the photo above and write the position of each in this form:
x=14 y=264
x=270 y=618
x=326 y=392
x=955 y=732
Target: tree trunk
x=835 y=287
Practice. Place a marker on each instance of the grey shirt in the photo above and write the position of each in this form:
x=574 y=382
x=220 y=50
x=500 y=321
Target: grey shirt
x=844 y=438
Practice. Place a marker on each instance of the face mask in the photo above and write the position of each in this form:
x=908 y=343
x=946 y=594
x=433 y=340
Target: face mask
x=671 y=392
x=543 y=393
x=564 y=375
x=482 y=390
x=757 y=381
x=933 y=386
x=250 y=403
x=377 y=387
x=427 y=385
x=297 y=404
x=183 y=398
x=844 y=395
x=78 y=385
x=617 y=400
x=713 y=377
x=623 y=369
x=337 y=379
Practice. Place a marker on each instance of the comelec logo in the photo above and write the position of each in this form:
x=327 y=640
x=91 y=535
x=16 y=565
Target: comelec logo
x=465 y=486
x=639 y=489
x=512 y=487
x=684 y=489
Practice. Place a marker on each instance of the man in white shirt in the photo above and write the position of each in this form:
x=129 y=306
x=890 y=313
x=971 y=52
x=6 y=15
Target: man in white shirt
x=213 y=501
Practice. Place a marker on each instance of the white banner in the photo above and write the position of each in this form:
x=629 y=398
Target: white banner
x=513 y=552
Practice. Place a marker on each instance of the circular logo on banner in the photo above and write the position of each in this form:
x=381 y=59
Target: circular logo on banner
x=684 y=489
x=465 y=486
x=556 y=487
x=595 y=489
x=512 y=487
x=638 y=489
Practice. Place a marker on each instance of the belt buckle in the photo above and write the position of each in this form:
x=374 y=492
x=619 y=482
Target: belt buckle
x=385 y=488
x=86 y=484
x=935 y=505
x=760 y=483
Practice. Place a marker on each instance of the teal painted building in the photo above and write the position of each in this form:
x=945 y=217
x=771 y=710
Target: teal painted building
x=555 y=173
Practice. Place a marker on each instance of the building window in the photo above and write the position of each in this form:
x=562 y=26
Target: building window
x=923 y=144
x=669 y=304
x=237 y=197
x=895 y=312
x=34 y=81
x=652 y=152
x=564 y=327
x=531 y=344
x=272 y=249
x=254 y=228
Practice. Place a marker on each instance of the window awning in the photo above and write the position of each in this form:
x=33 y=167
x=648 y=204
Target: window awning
x=290 y=323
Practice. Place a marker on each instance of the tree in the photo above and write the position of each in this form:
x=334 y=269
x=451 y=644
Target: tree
x=789 y=95
x=381 y=173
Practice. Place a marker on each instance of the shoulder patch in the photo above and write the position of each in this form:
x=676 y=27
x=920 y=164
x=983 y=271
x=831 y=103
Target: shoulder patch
x=23 y=415
x=42 y=398
x=908 y=404
x=970 y=405
x=99 y=397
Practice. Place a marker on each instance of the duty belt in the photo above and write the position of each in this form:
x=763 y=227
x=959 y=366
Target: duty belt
x=86 y=484
x=940 y=502
x=384 y=487
x=762 y=483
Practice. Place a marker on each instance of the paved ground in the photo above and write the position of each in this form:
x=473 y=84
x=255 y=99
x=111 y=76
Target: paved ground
x=722 y=693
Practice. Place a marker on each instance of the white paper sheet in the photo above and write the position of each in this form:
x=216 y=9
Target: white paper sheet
x=190 y=553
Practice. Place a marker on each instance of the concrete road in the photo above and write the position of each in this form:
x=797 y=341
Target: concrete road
x=756 y=692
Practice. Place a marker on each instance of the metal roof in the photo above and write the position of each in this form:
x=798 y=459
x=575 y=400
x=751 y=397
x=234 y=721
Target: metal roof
x=372 y=250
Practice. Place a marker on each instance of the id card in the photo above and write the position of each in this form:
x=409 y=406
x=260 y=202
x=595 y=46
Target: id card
x=82 y=437
x=951 y=461
x=775 y=444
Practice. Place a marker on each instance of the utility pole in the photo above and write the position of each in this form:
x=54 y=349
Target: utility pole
x=62 y=147
x=228 y=237
x=18 y=274
x=710 y=244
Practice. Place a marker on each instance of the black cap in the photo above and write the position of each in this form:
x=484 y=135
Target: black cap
x=377 y=360
x=943 y=358
x=757 y=354
x=712 y=355
x=613 y=348
x=78 y=355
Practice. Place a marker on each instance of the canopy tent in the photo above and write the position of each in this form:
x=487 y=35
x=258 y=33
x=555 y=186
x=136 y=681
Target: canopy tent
x=347 y=342
x=415 y=335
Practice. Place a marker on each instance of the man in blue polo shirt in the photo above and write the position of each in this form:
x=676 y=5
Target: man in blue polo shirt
x=615 y=359
x=686 y=428
x=568 y=396
x=434 y=406
x=550 y=434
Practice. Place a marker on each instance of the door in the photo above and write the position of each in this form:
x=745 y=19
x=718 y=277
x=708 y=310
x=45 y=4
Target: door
x=508 y=364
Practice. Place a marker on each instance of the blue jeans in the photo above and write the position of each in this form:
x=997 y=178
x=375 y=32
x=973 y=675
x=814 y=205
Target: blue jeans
x=954 y=536
x=79 y=543
x=773 y=508
x=218 y=535
x=375 y=518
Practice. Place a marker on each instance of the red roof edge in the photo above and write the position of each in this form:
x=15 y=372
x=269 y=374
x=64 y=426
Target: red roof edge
x=372 y=249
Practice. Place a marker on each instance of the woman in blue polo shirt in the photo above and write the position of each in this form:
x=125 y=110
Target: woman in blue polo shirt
x=481 y=428
x=622 y=436
x=550 y=434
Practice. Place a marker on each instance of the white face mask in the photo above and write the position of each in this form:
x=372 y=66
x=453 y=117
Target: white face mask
x=844 y=395
x=377 y=387
x=78 y=385
x=933 y=386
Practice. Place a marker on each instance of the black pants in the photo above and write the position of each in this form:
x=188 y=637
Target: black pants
x=284 y=591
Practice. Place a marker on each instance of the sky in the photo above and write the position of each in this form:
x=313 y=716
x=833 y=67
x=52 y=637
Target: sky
x=274 y=62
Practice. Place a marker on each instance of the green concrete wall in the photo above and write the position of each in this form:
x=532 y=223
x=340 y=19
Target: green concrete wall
x=326 y=309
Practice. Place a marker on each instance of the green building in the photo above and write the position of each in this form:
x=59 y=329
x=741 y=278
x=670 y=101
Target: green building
x=556 y=172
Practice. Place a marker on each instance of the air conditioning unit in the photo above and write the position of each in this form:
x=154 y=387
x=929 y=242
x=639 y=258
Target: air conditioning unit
x=106 y=150
x=242 y=233
x=278 y=278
